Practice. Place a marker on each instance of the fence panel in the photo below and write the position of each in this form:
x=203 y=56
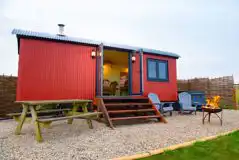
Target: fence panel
x=222 y=86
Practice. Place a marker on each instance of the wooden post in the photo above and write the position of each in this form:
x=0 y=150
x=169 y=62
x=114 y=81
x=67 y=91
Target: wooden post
x=22 y=119
x=208 y=88
x=36 y=124
x=85 y=110
x=235 y=98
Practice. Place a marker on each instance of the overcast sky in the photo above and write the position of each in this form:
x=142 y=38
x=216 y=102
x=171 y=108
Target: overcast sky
x=205 y=33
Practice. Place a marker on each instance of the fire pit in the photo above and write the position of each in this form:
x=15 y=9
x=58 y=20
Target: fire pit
x=212 y=107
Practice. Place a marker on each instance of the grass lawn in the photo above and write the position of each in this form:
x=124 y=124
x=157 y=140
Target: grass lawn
x=222 y=148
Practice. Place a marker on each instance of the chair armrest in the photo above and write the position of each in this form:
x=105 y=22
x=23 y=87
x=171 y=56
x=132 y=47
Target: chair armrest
x=195 y=104
x=160 y=106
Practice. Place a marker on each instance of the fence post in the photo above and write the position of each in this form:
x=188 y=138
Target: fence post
x=208 y=88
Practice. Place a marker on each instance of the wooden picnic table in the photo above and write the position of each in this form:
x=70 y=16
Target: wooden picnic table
x=39 y=104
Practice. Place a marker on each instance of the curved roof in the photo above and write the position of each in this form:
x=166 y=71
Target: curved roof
x=55 y=37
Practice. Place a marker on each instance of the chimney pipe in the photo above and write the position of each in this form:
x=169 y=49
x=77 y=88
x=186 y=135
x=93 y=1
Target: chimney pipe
x=61 y=29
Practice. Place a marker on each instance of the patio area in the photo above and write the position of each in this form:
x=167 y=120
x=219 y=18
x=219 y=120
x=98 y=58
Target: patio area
x=77 y=141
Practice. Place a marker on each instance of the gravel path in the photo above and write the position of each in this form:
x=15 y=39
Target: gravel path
x=76 y=141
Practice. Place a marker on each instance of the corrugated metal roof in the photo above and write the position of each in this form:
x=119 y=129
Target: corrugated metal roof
x=42 y=35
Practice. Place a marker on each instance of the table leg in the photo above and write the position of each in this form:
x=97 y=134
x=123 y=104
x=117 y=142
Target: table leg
x=85 y=110
x=74 y=110
x=203 y=117
x=36 y=124
x=22 y=119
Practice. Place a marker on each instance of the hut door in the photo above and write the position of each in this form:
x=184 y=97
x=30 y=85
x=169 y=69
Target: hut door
x=99 y=70
x=136 y=73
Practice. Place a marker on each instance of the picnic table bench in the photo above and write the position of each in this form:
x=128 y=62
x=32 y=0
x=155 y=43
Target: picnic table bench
x=38 y=121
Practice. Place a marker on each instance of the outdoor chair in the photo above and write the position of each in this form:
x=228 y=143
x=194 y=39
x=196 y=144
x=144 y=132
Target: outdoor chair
x=163 y=109
x=186 y=104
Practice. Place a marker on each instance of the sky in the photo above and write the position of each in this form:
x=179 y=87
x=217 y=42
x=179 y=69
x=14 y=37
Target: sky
x=205 y=33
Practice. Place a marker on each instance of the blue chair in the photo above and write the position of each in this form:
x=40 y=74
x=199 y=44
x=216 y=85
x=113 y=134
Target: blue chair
x=155 y=100
x=186 y=104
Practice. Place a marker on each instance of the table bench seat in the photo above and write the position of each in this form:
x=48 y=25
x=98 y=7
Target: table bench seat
x=83 y=116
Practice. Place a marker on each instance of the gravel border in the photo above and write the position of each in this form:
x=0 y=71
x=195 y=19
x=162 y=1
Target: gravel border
x=77 y=141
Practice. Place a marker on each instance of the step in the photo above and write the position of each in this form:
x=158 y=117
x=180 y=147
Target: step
x=123 y=97
x=125 y=100
x=130 y=111
x=136 y=117
x=127 y=104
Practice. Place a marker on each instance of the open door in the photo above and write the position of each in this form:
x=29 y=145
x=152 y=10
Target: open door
x=99 y=70
x=136 y=73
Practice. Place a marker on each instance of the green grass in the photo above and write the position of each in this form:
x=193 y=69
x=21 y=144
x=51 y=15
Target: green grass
x=222 y=148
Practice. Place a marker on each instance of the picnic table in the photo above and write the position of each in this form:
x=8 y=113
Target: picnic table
x=38 y=121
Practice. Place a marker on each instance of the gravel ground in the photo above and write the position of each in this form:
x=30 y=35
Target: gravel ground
x=76 y=141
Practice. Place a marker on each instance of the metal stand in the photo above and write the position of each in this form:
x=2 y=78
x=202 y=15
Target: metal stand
x=209 y=112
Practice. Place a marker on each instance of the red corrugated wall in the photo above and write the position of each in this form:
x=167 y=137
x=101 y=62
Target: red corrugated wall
x=167 y=91
x=53 y=70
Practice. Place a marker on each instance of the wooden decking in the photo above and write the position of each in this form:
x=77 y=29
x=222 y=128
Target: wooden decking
x=127 y=108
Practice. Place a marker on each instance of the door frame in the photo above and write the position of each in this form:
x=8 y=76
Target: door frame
x=141 y=91
x=100 y=69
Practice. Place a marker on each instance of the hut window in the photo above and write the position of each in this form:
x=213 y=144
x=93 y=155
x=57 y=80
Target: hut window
x=157 y=70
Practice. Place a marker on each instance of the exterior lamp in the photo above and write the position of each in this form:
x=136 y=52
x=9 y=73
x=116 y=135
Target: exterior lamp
x=93 y=53
x=133 y=58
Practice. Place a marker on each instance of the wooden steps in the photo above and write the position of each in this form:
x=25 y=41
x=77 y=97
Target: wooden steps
x=130 y=111
x=127 y=104
x=137 y=117
x=127 y=108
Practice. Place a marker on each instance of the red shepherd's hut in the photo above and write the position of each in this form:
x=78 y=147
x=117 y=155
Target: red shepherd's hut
x=56 y=66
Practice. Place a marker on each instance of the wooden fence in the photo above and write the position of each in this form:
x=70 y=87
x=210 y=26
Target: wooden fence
x=236 y=87
x=8 y=95
x=222 y=86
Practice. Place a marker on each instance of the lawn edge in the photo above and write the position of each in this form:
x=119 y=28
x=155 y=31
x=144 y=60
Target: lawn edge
x=173 y=147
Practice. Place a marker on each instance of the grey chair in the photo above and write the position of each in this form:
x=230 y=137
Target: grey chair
x=155 y=100
x=185 y=102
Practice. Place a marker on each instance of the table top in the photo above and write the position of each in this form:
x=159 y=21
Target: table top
x=62 y=101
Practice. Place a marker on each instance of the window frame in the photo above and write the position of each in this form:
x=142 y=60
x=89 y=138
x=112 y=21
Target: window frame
x=157 y=79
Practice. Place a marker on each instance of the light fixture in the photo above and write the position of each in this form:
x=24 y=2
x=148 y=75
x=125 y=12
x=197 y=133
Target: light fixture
x=133 y=58
x=93 y=53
